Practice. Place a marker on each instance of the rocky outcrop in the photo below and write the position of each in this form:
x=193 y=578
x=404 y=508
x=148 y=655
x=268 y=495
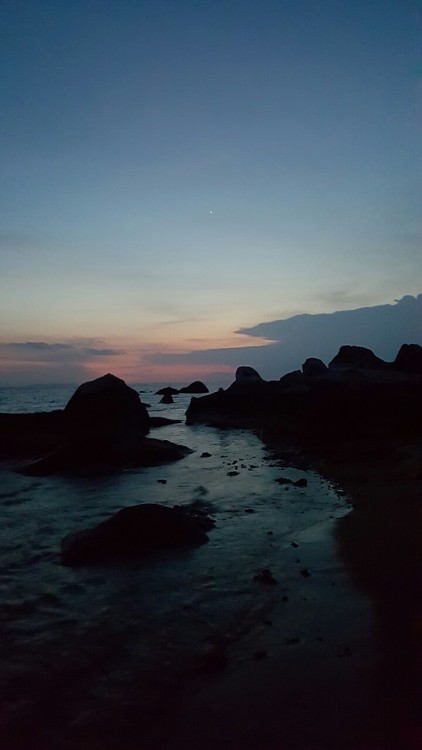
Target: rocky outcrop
x=370 y=398
x=247 y=375
x=313 y=367
x=196 y=387
x=105 y=403
x=409 y=359
x=357 y=357
x=167 y=399
x=102 y=428
x=136 y=531
x=30 y=435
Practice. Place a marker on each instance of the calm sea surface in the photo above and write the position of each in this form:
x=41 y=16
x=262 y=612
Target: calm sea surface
x=78 y=643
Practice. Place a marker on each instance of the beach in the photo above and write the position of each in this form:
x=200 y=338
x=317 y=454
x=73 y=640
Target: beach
x=293 y=628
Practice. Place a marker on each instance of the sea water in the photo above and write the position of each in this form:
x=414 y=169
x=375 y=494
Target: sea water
x=77 y=645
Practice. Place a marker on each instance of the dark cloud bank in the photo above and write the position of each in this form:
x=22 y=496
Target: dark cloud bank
x=383 y=329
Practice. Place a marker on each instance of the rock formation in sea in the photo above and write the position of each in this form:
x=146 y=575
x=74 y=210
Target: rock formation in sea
x=356 y=396
x=196 y=387
x=167 y=390
x=102 y=428
x=136 y=531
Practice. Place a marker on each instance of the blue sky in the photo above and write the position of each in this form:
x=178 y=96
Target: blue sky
x=173 y=172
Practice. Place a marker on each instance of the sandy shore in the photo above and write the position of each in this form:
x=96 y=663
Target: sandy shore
x=336 y=665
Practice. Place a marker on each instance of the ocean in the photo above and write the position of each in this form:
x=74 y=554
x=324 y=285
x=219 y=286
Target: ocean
x=107 y=656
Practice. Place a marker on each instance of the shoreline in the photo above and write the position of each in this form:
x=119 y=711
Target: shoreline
x=351 y=677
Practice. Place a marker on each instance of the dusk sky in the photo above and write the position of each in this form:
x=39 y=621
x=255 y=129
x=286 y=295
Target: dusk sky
x=173 y=172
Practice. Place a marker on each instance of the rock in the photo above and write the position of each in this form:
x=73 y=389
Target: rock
x=301 y=482
x=196 y=387
x=305 y=572
x=265 y=576
x=30 y=435
x=409 y=359
x=205 y=454
x=167 y=399
x=247 y=375
x=104 y=428
x=357 y=357
x=232 y=473
x=283 y=480
x=105 y=403
x=167 y=390
x=313 y=367
x=84 y=457
x=156 y=422
x=132 y=532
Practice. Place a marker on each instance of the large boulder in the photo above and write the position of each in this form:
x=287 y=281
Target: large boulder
x=104 y=428
x=167 y=399
x=409 y=359
x=196 y=387
x=168 y=389
x=136 y=531
x=313 y=367
x=357 y=357
x=106 y=403
x=247 y=376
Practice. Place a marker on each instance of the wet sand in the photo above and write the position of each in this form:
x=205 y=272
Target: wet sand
x=336 y=664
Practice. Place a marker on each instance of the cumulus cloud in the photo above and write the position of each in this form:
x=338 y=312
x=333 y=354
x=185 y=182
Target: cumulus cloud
x=382 y=328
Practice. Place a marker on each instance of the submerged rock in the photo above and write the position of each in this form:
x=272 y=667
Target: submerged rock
x=135 y=531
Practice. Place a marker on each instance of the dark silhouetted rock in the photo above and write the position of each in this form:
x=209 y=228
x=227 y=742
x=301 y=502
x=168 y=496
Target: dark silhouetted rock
x=247 y=375
x=357 y=357
x=313 y=367
x=167 y=390
x=30 y=435
x=156 y=422
x=345 y=403
x=283 y=480
x=292 y=378
x=132 y=532
x=105 y=403
x=409 y=359
x=103 y=456
x=196 y=387
x=103 y=429
x=167 y=399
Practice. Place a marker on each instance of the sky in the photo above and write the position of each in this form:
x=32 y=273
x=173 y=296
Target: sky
x=177 y=174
